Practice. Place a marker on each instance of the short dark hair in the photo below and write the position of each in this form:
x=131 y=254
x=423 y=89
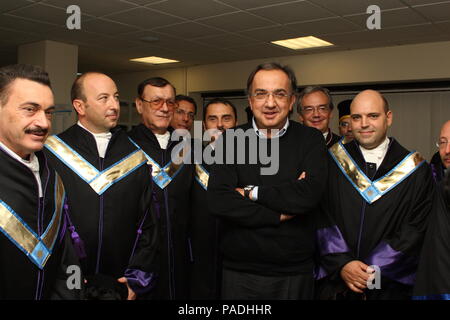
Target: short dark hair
x=222 y=101
x=181 y=97
x=155 y=82
x=312 y=89
x=273 y=66
x=20 y=71
x=77 y=90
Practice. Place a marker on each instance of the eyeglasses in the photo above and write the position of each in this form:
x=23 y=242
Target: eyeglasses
x=263 y=95
x=181 y=112
x=323 y=109
x=442 y=144
x=157 y=103
x=344 y=124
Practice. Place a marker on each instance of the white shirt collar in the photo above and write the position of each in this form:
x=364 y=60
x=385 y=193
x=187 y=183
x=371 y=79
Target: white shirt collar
x=376 y=155
x=32 y=164
x=101 y=139
x=163 y=139
x=260 y=133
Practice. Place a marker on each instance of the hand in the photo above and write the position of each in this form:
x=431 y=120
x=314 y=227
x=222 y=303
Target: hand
x=131 y=294
x=355 y=275
x=240 y=190
x=285 y=217
x=302 y=176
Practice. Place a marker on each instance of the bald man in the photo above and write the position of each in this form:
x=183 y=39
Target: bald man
x=378 y=200
x=441 y=159
x=108 y=189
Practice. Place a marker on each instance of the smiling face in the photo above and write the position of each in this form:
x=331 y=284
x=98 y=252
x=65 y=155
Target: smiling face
x=315 y=111
x=370 y=121
x=25 y=118
x=271 y=112
x=156 y=119
x=444 y=145
x=101 y=110
x=183 y=116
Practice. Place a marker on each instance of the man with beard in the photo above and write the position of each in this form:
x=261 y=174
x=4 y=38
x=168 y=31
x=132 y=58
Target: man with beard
x=267 y=217
x=375 y=210
x=345 y=124
x=31 y=192
x=173 y=180
x=315 y=109
x=108 y=189
x=441 y=159
x=218 y=116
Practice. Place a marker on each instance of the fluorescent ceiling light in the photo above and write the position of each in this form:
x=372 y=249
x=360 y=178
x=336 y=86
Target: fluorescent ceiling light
x=303 y=43
x=154 y=60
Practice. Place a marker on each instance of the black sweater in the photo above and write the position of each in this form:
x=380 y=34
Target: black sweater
x=253 y=239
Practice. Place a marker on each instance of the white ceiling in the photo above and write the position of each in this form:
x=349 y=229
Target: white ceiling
x=210 y=31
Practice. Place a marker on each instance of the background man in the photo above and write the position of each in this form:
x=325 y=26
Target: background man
x=184 y=114
x=441 y=159
x=109 y=193
x=315 y=109
x=156 y=104
x=375 y=211
x=345 y=124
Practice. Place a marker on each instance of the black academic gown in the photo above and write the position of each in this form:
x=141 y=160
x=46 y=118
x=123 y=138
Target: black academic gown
x=388 y=233
x=330 y=141
x=173 y=206
x=205 y=269
x=20 y=278
x=108 y=223
x=433 y=276
x=437 y=168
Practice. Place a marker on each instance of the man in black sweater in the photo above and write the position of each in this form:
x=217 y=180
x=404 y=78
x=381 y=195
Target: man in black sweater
x=268 y=217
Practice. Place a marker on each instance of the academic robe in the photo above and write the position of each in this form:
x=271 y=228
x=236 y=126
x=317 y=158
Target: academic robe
x=334 y=138
x=437 y=168
x=34 y=255
x=205 y=269
x=387 y=232
x=433 y=278
x=172 y=189
x=109 y=200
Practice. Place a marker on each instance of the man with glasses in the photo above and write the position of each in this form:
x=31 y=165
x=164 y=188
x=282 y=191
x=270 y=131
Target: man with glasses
x=375 y=210
x=108 y=193
x=184 y=114
x=345 y=124
x=441 y=159
x=315 y=109
x=267 y=235
x=156 y=105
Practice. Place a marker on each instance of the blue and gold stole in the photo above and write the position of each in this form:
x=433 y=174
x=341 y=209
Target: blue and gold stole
x=162 y=176
x=37 y=248
x=371 y=191
x=202 y=176
x=99 y=181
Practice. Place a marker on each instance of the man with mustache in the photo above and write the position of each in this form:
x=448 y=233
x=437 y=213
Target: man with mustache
x=108 y=188
x=183 y=116
x=375 y=210
x=267 y=219
x=173 y=180
x=315 y=109
x=205 y=271
x=440 y=161
x=31 y=192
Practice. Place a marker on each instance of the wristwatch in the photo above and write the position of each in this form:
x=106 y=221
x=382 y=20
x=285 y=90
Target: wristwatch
x=247 y=190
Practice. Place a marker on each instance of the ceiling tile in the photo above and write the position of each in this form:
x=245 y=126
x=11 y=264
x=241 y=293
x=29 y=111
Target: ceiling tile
x=391 y=18
x=226 y=41
x=292 y=12
x=192 y=9
x=146 y=2
x=444 y=26
x=236 y=21
x=435 y=12
x=144 y=18
x=95 y=8
x=271 y=33
x=15 y=23
x=247 y=4
x=348 y=7
x=189 y=30
x=325 y=26
x=106 y=27
x=10 y=37
x=417 y=2
x=8 y=5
